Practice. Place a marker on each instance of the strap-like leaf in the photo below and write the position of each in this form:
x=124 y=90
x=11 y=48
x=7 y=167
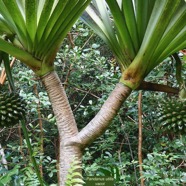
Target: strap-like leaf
x=4 y=28
x=31 y=21
x=8 y=71
x=162 y=13
x=37 y=28
x=101 y=7
x=159 y=20
x=123 y=33
x=58 y=9
x=178 y=43
x=16 y=17
x=65 y=26
x=143 y=10
x=44 y=12
x=62 y=17
x=20 y=54
x=6 y=17
x=175 y=30
x=129 y=13
x=93 y=18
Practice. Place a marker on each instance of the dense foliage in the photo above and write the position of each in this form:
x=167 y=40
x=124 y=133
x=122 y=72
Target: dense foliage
x=88 y=71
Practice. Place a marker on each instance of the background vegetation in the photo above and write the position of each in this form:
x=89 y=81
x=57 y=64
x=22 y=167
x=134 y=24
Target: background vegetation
x=89 y=72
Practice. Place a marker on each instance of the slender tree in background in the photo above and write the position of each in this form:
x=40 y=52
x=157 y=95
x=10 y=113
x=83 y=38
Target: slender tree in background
x=140 y=33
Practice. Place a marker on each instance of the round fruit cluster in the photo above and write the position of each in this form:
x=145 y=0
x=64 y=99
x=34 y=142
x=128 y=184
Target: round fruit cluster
x=173 y=116
x=12 y=109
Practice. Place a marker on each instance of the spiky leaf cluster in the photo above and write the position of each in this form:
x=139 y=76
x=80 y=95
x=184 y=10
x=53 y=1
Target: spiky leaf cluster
x=12 y=109
x=173 y=116
x=140 y=33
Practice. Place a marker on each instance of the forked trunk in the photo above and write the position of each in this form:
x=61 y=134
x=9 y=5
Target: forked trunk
x=73 y=142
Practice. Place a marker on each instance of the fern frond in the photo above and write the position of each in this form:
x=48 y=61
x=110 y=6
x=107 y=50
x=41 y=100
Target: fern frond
x=74 y=177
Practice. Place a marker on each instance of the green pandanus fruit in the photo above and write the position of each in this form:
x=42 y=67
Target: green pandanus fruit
x=12 y=109
x=173 y=116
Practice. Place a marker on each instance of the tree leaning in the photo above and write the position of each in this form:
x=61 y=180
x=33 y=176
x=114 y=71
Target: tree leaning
x=140 y=33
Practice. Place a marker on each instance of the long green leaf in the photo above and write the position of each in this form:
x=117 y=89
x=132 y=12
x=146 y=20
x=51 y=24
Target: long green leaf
x=178 y=43
x=50 y=25
x=4 y=28
x=6 y=19
x=101 y=7
x=64 y=19
x=123 y=33
x=143 y=11
x=141 y=7
x=93 y=21
x=62 y=26
x=172 y=31
x=129 y=14
x=63 y=16
x=8 y=71
x=45 y=12
x=65 y=27
x=20 y=54
x=93 y=18
x=14 y=12
x=31 y=21
x=159 y=20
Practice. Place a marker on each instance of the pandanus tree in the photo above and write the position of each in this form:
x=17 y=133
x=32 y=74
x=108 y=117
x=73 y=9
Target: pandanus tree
x=140 y=33
x=32 y=31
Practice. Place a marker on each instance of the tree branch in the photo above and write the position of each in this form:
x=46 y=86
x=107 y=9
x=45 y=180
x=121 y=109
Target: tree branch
x=157 y=87
x=140 y=138
x=178 y=69
x=97 y=126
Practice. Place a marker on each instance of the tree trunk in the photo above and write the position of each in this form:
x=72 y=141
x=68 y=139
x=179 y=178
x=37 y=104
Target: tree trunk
x=66 y=124
x=73 y=142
